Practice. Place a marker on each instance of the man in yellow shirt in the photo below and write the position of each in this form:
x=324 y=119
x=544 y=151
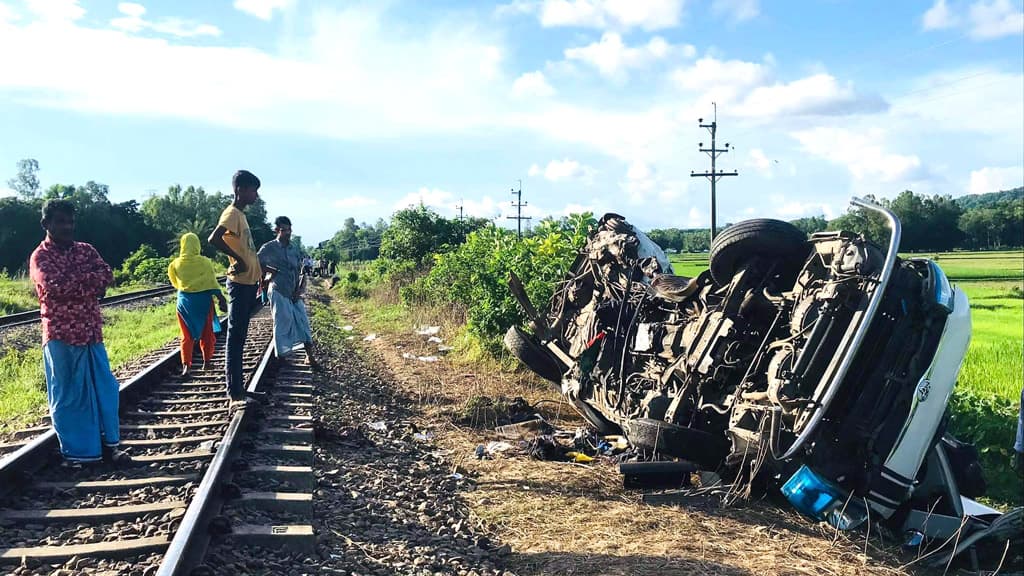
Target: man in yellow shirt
x=232 y=237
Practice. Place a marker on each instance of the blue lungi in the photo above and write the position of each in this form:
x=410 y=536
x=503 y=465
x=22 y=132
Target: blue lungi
x=291 y=324
x=83 y=397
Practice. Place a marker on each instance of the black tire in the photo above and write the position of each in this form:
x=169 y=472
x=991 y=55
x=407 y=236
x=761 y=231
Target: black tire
x=761 y=237
x=599 y=422
x=533 y=355
x=662 y=437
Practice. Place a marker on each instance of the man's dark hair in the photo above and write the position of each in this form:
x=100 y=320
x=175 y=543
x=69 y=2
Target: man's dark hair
x=244 y=179
x=57 y=206
x=282 y=221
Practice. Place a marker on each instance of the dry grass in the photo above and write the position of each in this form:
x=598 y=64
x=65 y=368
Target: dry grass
x=562 y=518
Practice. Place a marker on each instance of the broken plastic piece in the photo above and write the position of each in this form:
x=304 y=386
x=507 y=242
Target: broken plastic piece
x=370 y=337
x=495 y=448
x=526 y=430
x=380 y=426
x=429 y=331
x=435 y=339
x=579 y=457
x=423 y=436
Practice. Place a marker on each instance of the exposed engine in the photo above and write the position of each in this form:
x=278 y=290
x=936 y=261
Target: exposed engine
x=731 y=366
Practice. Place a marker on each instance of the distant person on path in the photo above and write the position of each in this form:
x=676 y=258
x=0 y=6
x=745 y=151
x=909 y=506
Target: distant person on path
x=232 y=237
x=192 y=274
x=70 y=278
x=283 y=261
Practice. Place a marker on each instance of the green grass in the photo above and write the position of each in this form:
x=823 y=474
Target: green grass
x=127 y=335
x=18 y=294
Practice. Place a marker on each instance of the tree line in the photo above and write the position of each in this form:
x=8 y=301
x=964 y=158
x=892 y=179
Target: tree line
x=930 y=223
x=117 y=229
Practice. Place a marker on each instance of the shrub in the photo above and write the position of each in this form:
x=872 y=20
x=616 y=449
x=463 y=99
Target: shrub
x=151 y=271
x=126 y=274
x=474 y=276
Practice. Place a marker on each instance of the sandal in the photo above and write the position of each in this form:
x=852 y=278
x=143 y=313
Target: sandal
x=115 y=455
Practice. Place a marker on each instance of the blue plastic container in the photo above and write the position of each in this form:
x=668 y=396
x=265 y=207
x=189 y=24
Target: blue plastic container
x=823 y=500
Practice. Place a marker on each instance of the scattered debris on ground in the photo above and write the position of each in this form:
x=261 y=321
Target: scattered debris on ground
x=562 y=516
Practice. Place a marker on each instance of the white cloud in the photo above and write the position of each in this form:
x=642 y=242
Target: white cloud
x=696 y=218
x=817 y=94
x=562 y=170
x=995 y=19
x=133 y=21
x=262 y=9
x=532 y=84
x=612 y=58
x=749 y=89
x=355 y=202
x=729 y=77
x=737 y=10
x=349 y=78
x=516 y=8
x=984 y=19
x=446 y=203
x=994 y=98
x=759 y=162
x=861 y=152
x=618 y=14
x=991 y=179
x=432 y=197
x=791 y=210
x=577 y=208
x=8 y=14
x=939 y=17
x=56 y=10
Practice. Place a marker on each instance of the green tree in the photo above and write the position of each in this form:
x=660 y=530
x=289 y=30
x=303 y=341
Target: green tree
x=25 y=182
x=417 y=233
x=811 y=224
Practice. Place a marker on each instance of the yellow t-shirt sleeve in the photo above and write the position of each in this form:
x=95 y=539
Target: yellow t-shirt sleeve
x=229 y=220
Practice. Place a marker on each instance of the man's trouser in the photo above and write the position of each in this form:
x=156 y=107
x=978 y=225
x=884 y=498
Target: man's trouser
x=241 y=303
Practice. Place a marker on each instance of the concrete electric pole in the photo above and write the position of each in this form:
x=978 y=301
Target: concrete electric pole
x=714 y=175
x=518 y=205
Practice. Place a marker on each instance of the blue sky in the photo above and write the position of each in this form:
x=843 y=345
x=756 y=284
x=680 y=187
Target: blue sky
x=359 y=108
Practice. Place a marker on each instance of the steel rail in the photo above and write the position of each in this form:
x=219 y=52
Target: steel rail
x=32 y=316
x=190 y=541
x=37 y=452
x=34 y=455
x=850 y=352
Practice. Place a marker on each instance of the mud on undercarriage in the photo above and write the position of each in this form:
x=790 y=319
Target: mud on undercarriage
x=821 y=363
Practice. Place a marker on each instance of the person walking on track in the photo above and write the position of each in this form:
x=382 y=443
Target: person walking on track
x=283 y=261
x=192 y=274
x=70 y=278
x=233 y=237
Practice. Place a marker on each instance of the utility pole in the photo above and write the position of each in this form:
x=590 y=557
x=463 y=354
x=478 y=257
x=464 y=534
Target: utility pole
x=714 y=176
x=459 y=208
x=518 y=205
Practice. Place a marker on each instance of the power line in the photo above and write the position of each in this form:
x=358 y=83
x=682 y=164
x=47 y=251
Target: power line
x=715 y=175
x=518 y=205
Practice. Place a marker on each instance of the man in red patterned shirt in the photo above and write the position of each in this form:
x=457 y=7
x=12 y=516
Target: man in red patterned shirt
x=70 y=277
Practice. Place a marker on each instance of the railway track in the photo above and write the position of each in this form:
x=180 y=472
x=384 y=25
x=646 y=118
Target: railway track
x=32 y=316
x=196 y=463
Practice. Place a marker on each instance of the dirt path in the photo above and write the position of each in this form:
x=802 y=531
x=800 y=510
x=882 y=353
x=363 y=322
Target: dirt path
x=563 y=518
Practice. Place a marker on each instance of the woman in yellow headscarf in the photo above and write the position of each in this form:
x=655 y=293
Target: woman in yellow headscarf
x=192 y=274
